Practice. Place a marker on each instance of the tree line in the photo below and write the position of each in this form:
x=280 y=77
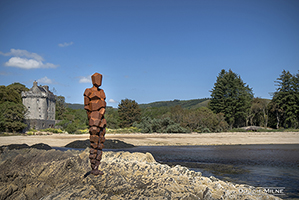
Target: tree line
x=232 y=105
x=232 y=97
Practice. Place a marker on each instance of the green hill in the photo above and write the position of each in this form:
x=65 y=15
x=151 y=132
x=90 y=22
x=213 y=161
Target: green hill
x=78 y=106
x=190 y=104
x=75 y=106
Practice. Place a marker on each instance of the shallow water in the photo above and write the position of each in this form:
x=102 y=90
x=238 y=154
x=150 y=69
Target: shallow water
x=256 y=165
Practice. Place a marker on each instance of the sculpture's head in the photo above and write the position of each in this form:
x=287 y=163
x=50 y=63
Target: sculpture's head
x=96 y=79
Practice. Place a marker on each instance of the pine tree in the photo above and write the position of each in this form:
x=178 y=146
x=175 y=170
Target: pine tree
x=129 y=112
x=285 y=101
x=231 y=97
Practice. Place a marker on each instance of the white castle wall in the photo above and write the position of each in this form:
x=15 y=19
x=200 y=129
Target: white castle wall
x=40 y=103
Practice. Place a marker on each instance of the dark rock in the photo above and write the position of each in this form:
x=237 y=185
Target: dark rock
x=109 y=144
x=41 y=146
x=17 y=146
x=117 y=144
x=79 y=144
x=25 y=146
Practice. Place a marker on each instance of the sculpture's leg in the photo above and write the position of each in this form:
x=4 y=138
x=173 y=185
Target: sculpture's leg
x=96 y=152
x=95 y=155
x=102 y=137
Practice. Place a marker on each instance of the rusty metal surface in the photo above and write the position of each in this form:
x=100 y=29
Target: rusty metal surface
x=95 y=106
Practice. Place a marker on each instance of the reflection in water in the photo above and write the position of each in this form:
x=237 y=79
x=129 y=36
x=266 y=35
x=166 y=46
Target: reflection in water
x=256 y=165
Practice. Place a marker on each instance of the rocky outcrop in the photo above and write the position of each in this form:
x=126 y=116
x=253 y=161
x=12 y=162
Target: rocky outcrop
x=40 y=174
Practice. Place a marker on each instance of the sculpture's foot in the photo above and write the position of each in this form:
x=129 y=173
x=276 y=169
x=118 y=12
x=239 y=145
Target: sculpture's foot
x=96 y=172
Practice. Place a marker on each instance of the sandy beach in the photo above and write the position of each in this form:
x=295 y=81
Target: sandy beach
x=157 y=139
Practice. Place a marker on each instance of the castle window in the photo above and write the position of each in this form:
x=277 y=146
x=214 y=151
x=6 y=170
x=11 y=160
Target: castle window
x=40 y=116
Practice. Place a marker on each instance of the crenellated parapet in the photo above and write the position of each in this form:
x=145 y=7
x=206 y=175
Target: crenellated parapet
x=38 y=92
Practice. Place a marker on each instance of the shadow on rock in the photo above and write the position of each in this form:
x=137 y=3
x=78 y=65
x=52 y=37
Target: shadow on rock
x=109 y=144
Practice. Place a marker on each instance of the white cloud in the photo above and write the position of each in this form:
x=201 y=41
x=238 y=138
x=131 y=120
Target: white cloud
x=112 y=101
x=65 y=44
x=84 y=79
x=26 y=60
x=20 y=53
x=49 y=65
x=25 y=63
x=45 y=80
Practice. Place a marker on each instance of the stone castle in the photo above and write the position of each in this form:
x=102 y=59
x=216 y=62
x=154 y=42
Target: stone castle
x=40 y=102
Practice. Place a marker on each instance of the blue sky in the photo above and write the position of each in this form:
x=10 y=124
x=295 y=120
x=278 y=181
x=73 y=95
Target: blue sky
x=147 y=50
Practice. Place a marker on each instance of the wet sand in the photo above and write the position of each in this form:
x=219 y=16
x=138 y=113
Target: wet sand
x=157 y=139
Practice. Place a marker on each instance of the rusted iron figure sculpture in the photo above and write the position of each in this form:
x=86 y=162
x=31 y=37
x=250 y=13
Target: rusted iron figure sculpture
x=95 y=105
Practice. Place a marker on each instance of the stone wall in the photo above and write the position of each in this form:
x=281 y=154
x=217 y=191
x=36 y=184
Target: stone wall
x=39 y=124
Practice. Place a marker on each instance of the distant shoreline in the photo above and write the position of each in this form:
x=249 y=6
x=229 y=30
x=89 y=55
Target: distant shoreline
x=161 y=139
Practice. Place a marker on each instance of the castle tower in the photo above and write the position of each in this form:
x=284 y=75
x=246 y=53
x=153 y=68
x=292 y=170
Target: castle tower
x=40 y=102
